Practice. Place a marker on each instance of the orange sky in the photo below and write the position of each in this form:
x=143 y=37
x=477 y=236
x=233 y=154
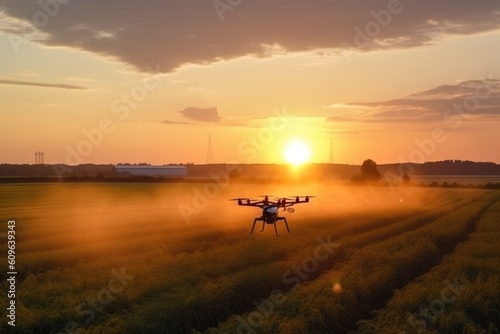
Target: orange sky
x=126 y=81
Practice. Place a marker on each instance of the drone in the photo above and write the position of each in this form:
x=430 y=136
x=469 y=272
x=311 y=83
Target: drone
x=270 y=209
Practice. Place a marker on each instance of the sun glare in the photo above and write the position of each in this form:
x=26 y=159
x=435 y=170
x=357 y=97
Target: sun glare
x=297 y=152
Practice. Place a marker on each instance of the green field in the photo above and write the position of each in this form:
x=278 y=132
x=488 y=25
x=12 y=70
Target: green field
x=122 y=258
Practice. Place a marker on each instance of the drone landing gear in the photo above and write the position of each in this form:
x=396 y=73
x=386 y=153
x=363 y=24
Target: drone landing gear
x=286 y=223
x=255 y=221
x=274 y=223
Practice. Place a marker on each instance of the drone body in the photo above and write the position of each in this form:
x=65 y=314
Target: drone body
x=270 y=209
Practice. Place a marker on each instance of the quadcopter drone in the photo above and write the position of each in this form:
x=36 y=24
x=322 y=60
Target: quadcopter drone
x=270 y=209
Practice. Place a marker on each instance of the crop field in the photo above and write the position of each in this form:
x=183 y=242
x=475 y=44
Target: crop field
x=178 y=258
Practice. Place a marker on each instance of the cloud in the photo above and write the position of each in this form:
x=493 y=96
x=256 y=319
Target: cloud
x=478 y=98
x=249 y=122
x=171 y=34
x=343 y=132
x=340 y=119
x=175 y=122
x=201 y=114
x=75 y=78
x=27 y=73
x=39 y=84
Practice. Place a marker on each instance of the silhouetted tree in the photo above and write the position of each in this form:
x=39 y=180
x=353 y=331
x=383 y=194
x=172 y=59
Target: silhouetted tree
x=406 y=178
x=369 y=171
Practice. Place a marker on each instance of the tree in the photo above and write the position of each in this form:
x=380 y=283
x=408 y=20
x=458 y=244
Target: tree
x=406 y=178
x=369 y=171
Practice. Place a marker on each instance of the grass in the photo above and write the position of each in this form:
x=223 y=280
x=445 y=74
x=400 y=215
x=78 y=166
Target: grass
x=209 y=275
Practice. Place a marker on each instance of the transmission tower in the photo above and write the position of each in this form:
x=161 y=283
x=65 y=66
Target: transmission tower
x=209 y=150
x=39 y=158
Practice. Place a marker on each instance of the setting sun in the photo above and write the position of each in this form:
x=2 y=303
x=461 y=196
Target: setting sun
x=297 y=152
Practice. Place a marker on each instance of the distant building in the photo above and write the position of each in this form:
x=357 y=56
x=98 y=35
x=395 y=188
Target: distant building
x=158 y=171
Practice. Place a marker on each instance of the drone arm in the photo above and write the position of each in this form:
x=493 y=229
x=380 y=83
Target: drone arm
x=256 y=204
x=299 y=202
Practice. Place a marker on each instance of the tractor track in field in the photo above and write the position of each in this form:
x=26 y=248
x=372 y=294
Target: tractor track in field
x=337 y=260
x=446 y=250
x=202 y=319
x=340 y=258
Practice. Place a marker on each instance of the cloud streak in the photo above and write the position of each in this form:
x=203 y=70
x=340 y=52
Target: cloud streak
x=40 y=84
x=201 y=114
x=481 y=96
x=171 y=34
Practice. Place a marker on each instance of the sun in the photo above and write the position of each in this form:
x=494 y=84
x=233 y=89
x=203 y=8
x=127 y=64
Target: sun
x=297 y=152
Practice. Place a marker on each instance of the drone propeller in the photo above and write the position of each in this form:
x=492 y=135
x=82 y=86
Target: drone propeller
x=298 y=198
x=284 y=202
x=242 y=200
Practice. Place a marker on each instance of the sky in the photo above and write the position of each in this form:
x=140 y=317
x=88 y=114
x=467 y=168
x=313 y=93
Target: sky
x=156 y=81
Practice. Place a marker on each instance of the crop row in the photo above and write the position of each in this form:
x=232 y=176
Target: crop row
x=191 y=281
x=336 y=301
x=461 y=295
x=224 y=284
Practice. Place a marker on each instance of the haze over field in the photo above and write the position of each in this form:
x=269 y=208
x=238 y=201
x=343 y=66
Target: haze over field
x=127 y=81
x=122 y=258
x=81 y=206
